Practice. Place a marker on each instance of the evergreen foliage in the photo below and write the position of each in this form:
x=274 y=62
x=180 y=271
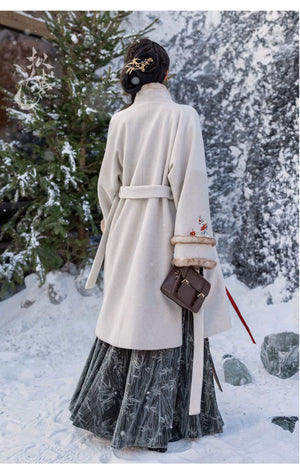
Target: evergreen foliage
x=53 y=177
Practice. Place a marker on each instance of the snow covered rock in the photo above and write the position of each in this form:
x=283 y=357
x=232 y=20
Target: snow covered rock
x=235 y=371
x=57 y=291
x=287 y=423
x=70 y=268
x=280 y=354
x=32 y=293
x=80 y=282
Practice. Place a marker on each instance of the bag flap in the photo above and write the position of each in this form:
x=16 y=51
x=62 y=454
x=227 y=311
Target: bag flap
x=196 y=280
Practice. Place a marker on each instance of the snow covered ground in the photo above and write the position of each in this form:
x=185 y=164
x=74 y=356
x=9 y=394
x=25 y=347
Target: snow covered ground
x=43 y=348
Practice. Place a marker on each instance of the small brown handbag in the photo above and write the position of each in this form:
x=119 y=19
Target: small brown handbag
x=186 y=287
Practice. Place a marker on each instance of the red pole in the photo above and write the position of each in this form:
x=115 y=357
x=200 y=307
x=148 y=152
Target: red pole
x=239 y=314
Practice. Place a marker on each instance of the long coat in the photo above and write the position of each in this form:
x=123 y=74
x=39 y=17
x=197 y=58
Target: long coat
x=153 y=193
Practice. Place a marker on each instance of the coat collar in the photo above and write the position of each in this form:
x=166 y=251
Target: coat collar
x=152 y=91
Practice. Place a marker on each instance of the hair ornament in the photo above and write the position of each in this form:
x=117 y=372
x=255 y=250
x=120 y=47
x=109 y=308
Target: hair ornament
x=135 y=80
x=137 y=63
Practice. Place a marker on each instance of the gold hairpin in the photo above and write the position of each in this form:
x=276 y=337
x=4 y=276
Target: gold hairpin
x=135 y=64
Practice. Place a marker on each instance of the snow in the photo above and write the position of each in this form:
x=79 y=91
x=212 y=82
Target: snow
x=32 y=238
x=74 y=38
x=23 y=13
x=213 y=19
x=26 y=179
x=43 y=348
x=86 y=209
x=68 y=150
x=16 y=196
x=27 y=118
x=68 y=177
x=89 y=110
x=53 y=192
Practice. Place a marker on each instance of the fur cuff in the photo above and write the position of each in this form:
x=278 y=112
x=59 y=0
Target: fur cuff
x=204 y=262
x=193 y=240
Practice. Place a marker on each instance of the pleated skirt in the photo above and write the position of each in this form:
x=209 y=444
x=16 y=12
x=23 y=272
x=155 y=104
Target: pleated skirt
x=141 y=397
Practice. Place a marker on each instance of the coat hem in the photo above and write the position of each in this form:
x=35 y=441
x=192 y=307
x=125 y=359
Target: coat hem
x=125 y=346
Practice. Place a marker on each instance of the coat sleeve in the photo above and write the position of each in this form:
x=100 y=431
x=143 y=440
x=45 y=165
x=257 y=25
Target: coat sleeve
x=110 y=174
x=188 y=180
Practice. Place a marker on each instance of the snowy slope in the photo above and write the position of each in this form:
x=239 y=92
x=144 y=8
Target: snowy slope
x=43 y=349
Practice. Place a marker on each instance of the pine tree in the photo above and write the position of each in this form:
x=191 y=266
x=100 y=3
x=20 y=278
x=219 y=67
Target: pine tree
x=269 y=244
x=66 y=116
x=242 y=76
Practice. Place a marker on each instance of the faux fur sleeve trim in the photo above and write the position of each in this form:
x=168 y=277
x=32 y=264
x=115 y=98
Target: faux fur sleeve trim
x=189 y=239
x=204 y=262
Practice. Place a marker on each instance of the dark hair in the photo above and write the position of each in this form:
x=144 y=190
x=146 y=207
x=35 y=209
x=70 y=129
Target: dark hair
x=154 y=71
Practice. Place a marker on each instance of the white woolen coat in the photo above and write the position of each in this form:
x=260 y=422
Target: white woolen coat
x=155 y=142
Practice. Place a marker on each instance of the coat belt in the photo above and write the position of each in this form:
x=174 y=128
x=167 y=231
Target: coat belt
x=125 y=192
x=151 y=191
x=142 y=192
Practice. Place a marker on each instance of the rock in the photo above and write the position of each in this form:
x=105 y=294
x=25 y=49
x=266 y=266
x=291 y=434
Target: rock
x=81 y=279
x=235 y=371
x=280 y=354
x=70 y=268
x=27 y=303
x=287 y=423
x=56 y=293
x=33 y=291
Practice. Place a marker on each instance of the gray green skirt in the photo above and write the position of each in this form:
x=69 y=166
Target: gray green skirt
x=141 y=397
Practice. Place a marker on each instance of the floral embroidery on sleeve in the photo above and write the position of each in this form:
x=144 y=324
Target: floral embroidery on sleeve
x=202 y=228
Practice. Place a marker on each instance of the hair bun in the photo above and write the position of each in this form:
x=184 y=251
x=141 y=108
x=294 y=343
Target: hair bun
x=144 y=61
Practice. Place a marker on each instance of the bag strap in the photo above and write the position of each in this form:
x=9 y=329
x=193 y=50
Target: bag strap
x=184 y=271
x=215 y=373
x=177 y=281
